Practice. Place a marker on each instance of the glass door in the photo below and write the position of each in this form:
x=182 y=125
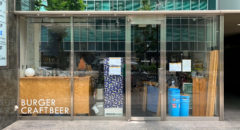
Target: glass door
x=145 y=39
x=145 y=61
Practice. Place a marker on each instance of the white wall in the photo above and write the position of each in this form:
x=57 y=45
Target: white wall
x=229 y=4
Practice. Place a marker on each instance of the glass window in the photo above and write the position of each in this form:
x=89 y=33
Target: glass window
x=184 y=33
x=114 y=6
x=76 y=46
x=114 y=46
x=170 y=5
x=176 y=33
x=44 y=84
x=44 y=34
x=161 y=5
x=106 y=35
x=91 y=33
x=98 y=5
x=191 y=61
x=121 y=5
x=106 y=5
x=91 y=46
x=211 y=4
x=83 y=33
x=186 y=4
x=92 y=65
x=114 y=35
x=129 y=5
x=90 y=5
x=136 y=5
x=83 y=46
x=178 y=4
x=106 y=46
x=76 y=32
x=203 y=5
x=68 y=33
x=193 y=33
x=194 y=5
x=99 y=46
x=169 y=33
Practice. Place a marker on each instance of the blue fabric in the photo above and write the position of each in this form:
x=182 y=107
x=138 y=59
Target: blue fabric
x=152 y=98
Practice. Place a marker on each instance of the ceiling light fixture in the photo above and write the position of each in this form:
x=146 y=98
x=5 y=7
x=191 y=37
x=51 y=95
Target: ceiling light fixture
x=238 y=24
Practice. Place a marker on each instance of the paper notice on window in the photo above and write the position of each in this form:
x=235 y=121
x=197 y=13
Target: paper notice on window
x=186 y=65
x=175 y=67
x=114 y=70
x=115 y=61
x=3 y=33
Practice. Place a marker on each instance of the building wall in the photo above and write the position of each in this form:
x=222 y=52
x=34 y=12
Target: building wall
x=8 y=76
x=229 y=4
x=132 y=5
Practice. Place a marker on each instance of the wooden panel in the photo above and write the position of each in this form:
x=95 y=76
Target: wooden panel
x=81 y=95
x=57 y=88
x=144 y=104
x=45 y=88
x=203 y=97
x=212 y=82
x=199 y=96
x=195 y=94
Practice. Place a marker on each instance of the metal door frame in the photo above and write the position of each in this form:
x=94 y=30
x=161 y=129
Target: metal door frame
x=146 y=19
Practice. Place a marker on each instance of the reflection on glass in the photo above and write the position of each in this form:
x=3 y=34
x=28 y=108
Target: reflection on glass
x=101 y=80
x=144 y=72
x=44 y=73
x=192 y=67
x=121 y=5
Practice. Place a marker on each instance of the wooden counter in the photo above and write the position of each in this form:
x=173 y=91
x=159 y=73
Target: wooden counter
x=57 y=89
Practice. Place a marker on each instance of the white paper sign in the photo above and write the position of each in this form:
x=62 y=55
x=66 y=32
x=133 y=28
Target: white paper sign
x=114 y=70
x=3 y=34
x=186 y=65
x=175 y=67
x=115 y=61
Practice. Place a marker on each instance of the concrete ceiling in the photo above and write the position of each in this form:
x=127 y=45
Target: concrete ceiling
x=230 y=24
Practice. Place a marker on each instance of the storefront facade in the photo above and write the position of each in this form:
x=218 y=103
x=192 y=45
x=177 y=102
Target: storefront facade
x=123 y=60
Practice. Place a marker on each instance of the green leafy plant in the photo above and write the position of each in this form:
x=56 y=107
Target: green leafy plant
x=145 y=5
x=38 y=4
x=57 y=5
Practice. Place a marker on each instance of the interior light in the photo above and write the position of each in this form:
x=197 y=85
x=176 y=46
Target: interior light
x=238 y=24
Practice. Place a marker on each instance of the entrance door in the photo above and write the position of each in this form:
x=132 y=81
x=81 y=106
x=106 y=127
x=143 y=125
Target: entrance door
x=146 y=98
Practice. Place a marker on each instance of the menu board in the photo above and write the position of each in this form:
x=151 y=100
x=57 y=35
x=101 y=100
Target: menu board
x=3 y=33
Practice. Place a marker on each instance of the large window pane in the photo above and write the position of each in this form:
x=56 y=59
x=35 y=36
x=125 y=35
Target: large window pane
x=136 y=5
x=98 y=5
x=106 y=5
x=44 y=84
x=211 y=4
x=203 y=5
x=101 y=94
x=170 y=5
x=194 y=5
x=90 y=5
x=121 y=5
x=178 y=4
x=186 y=4
x=114 y=6
x=189 y=90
